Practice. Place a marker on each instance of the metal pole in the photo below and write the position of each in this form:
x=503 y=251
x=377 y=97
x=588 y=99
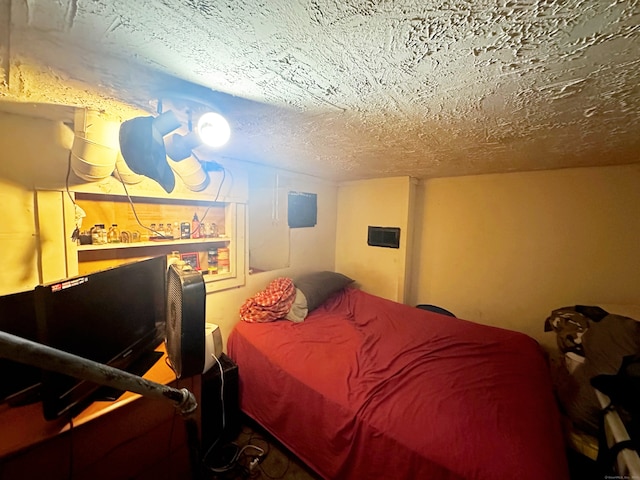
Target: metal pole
x=35 y=354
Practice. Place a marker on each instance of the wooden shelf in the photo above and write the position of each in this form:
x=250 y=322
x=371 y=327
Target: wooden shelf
x=159 y=243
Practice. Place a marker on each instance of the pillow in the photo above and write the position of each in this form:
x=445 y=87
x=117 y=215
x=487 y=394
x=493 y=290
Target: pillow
x=299 y=309
x=270 y=304
x=318 y=286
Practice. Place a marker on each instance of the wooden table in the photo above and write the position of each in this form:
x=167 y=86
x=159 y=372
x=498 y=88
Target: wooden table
x=132 y=437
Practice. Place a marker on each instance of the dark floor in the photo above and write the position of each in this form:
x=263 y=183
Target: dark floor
x=233 y=459
x=278 y=463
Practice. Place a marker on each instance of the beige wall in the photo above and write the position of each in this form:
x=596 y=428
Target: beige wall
x=310 y=249
x=498 y=249
x=506 y=249
x=32 y=151
x=385 y=202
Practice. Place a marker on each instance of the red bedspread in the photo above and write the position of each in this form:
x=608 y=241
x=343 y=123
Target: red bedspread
x=368 y=388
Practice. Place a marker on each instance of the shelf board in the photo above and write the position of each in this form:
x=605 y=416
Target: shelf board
x=159 y=243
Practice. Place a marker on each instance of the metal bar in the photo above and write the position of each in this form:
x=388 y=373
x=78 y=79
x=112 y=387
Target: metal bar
x=35 y=354
x=628 y=461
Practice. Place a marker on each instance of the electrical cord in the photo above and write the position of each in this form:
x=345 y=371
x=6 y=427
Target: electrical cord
x=215 y=443
x=231 y=457
x=224 y=176
x=224 y=416
x=135 y=213
x=75 y=236
x=256 y=437
x=133 y=208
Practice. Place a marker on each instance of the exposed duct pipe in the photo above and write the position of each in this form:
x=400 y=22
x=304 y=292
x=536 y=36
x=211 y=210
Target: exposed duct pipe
x=94 y=149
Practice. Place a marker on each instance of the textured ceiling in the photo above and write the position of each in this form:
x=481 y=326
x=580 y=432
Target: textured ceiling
x=354 y=89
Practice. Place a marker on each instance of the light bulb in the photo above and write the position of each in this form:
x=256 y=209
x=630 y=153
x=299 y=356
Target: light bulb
x=213 y=129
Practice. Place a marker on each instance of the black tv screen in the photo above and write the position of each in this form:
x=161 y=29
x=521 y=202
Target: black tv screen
x=20 y=382
x=113 y=316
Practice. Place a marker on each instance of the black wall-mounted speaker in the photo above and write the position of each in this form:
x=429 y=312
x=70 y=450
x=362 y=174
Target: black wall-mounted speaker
x=185 y=332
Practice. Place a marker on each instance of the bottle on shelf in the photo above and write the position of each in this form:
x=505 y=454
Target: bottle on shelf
x=113 y=236
x=210 y=229
x=99 y=234
x=168 y=231
x=95 y=234
x=195 y=227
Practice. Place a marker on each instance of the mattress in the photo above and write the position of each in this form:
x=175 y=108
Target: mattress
x=369 y=388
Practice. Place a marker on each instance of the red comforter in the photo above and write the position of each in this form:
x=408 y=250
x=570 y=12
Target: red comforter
x=368 y=388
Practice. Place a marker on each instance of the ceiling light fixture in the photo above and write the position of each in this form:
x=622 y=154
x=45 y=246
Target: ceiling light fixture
x=213 y=129
x=145 y=149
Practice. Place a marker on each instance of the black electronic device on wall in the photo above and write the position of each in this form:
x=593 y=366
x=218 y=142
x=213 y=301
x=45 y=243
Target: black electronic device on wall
x=185 y=332
x=384 y=237
x=302 y=209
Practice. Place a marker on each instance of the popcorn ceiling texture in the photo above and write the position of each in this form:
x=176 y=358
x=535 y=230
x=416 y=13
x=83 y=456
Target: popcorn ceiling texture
x=354 y=89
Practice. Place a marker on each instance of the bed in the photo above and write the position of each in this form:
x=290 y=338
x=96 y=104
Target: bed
x=368 y=388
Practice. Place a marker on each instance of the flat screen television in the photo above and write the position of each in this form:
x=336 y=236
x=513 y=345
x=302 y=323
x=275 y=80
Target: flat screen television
x=19 y=382
x=114 y=316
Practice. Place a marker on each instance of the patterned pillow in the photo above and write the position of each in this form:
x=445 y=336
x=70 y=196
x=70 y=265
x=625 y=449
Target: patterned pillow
x=270 y=304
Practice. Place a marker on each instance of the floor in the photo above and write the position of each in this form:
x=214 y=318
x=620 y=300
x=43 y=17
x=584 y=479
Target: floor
x=279 y=463
x=254 y=454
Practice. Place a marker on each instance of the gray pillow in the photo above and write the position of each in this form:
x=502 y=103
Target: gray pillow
x=318 y=286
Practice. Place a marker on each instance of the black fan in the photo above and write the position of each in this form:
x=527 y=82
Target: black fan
x=185 y=332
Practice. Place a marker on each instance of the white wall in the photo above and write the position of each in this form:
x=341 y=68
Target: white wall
x=506 y=249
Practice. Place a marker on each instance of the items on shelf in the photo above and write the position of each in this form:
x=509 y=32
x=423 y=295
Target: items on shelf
x=185 y=230
x=113 y=236
x=209 y=230
x=212 y=257
x=99 y=235
x=195 y=226
x=224 y=265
